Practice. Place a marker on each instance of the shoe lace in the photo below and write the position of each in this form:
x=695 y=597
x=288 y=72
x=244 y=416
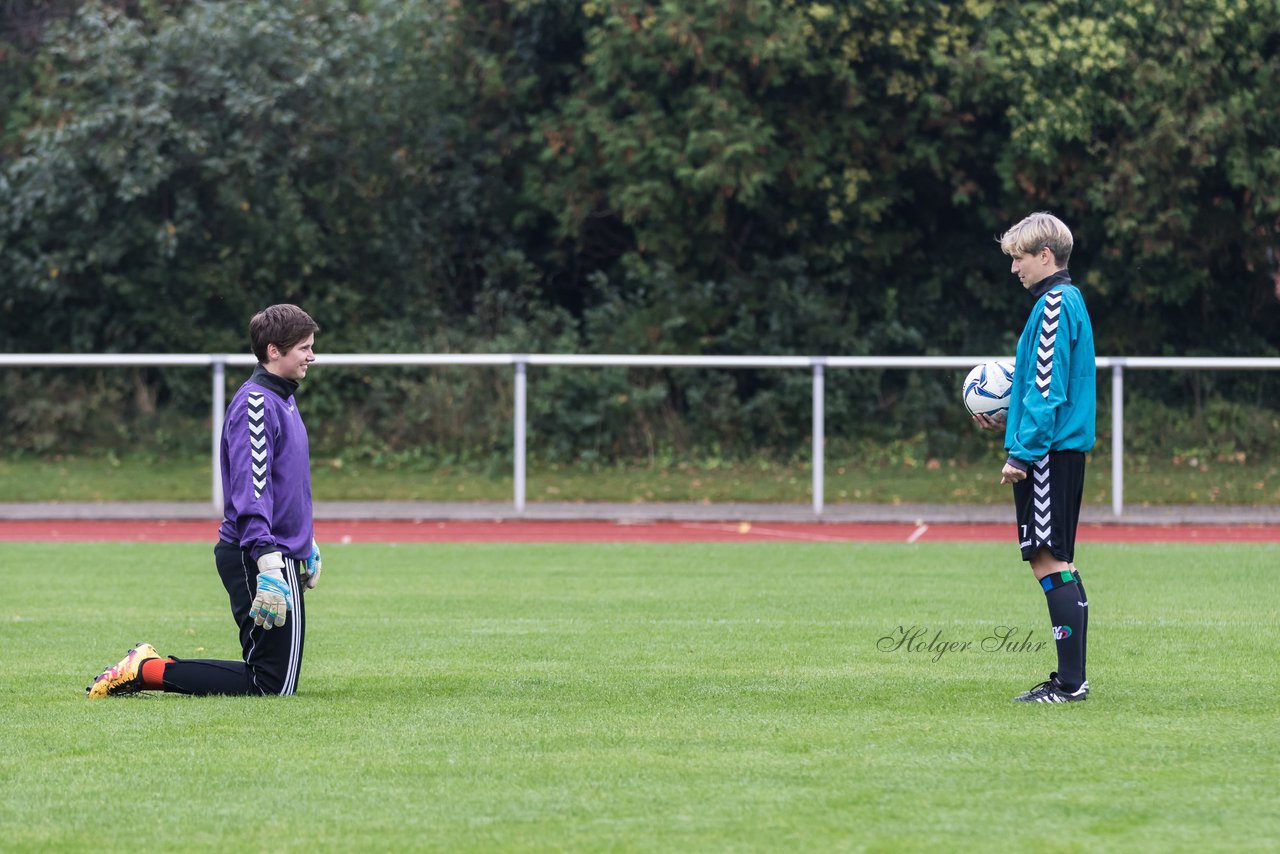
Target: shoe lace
x=1050 y=684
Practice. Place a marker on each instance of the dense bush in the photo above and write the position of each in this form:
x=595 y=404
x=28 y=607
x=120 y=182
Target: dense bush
x=713 y=176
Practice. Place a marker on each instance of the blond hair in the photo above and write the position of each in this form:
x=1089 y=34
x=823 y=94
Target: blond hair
x=1036 y=232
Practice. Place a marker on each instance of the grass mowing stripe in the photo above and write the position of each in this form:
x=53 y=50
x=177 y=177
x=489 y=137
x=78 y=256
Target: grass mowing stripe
x=482 y=697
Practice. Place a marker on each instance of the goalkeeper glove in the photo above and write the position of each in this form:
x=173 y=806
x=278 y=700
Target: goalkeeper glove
x=273 y=600
x=309 y=570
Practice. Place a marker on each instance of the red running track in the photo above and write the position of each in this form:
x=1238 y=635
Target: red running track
x=524 y=531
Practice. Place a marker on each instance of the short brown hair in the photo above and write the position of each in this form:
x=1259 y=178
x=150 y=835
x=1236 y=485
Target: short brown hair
x=283 y=325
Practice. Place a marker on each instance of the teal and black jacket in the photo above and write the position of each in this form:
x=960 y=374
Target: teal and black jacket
x=1053 y=403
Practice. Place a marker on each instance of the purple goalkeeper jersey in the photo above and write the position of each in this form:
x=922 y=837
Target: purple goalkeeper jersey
x=266 y=470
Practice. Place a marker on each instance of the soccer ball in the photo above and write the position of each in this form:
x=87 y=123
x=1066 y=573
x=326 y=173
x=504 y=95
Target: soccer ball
x=986 y=389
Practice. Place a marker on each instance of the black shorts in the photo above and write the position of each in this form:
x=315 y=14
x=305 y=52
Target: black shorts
x=1048 y=505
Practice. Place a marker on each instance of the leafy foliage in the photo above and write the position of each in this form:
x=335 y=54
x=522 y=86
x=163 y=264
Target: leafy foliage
x=623 y=176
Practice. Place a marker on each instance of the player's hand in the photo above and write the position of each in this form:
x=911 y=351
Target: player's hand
x=309 y=570
x=986 y=422
x=1011 y=474
x=273 y=600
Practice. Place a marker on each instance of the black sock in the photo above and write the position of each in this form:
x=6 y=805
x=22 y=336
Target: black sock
x=1084 y=626
x=1067 y=613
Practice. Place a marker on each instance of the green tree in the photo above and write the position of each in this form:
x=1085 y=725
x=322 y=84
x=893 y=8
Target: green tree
x=617 y=175
x=1152 y=127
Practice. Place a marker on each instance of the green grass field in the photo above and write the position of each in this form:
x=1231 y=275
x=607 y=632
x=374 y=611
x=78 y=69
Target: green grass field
x=648 y=698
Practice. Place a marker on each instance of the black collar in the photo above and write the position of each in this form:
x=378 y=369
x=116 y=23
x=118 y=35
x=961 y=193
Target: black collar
x=1049 y=282
x=281 y=386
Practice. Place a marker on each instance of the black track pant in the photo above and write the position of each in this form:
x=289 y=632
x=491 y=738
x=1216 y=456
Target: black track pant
x=271 y=658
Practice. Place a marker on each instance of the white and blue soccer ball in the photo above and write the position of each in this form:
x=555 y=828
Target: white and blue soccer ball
x=986 y=389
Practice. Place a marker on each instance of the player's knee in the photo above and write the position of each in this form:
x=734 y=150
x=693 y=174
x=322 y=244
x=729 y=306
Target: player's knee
x=268 y=683
x=1044 y=562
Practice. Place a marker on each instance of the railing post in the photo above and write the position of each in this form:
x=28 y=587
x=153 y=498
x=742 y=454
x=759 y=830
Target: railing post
x=1117 y=439
x=819 y=433
x=218 y=415
x=519 y=444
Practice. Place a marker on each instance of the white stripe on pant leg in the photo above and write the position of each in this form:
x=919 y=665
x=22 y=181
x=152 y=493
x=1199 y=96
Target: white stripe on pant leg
x=290 y=624
x=295 y=646
x=294 y=623
x=295 y=640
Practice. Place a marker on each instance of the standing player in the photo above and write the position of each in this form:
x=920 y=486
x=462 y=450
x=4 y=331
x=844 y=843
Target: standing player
x=1052 y=410
x=266 y=552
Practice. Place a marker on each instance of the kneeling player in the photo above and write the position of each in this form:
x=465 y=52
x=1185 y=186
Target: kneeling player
x=266 y=552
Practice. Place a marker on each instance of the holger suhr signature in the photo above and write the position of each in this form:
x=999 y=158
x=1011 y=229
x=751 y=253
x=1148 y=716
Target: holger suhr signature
x=918 y=639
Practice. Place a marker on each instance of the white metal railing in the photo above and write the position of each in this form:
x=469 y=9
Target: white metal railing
x=521 y=362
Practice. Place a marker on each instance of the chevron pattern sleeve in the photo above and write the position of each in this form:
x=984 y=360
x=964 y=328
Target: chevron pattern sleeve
x=1046 y=346
x=247 y=460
